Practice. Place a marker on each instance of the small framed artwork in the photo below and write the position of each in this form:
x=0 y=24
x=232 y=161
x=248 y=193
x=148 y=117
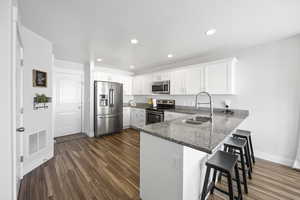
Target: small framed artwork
x=39 y=78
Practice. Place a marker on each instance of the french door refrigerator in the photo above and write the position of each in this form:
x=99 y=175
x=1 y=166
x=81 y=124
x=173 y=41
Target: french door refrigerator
x=108 y=105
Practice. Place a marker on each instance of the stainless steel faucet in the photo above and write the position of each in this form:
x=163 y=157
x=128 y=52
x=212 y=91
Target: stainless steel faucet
x=210 y=103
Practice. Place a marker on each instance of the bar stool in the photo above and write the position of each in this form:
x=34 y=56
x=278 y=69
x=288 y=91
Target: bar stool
x=236 y=145
x=223 y=162
x=246 y=135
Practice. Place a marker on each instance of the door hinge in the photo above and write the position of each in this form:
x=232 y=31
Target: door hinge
x=22 y=110
x=21 y=158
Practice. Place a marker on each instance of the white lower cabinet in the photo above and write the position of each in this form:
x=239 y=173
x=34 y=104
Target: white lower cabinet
x=172 y=115
x=126 y=117
x=137 y=117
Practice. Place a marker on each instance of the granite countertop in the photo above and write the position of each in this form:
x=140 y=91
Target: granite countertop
x=205 y=137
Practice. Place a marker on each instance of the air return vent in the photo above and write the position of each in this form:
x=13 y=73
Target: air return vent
x=37 y=141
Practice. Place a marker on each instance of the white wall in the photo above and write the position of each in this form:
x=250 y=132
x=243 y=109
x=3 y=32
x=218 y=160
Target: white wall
x=6 y=155
x=89 y=99
x=37 y=55
x=268 y=85
x=63 y=64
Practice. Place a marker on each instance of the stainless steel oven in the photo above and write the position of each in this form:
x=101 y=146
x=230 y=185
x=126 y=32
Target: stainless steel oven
x=161 y=87
x=154 y=116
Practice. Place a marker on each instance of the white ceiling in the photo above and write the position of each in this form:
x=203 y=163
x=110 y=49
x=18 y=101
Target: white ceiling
x=85 y=29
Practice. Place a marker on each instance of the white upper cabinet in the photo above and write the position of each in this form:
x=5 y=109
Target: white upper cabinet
x=219 y=77
x=194 y=82
x=214 y=77
x=126 y=80
x=187 y=81
x=178 y=82
x=137 y=85
x=141 y=84
x=161 y=76
x=147 y=87
x=127 y=85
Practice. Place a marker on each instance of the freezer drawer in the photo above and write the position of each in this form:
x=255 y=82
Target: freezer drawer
x=106 y=124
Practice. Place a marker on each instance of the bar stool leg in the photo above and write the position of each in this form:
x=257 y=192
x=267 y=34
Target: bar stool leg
x=230 y=188
x=238 y=182
x=204 y=190
x=244 y=171
x=225 y=148
x=213 y=181
x=252 y=152
x=249 y=162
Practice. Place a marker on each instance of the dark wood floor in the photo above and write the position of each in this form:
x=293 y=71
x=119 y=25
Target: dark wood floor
x=108 y=169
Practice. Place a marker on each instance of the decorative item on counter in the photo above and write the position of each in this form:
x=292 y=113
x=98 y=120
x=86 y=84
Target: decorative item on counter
x=132 y=103
x=150 y=101
x=40 y=101
x=154 y=103
x=227 y=104
x=39 y=78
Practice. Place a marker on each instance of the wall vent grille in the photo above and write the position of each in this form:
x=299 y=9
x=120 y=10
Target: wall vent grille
x=37 y=141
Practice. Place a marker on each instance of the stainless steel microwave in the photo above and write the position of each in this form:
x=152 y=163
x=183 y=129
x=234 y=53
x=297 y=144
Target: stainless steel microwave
x=161 y=87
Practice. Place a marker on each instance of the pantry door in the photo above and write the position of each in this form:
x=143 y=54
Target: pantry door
x=68 y=103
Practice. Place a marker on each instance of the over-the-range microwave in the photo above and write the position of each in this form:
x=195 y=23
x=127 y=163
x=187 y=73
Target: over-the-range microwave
x=161 y=87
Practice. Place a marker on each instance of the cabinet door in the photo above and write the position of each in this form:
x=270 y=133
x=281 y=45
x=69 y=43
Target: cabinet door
x=133 y=117
x=194 y=81
x=137 y=87
x=161 y=76
x=126 y=117
x=140 y=117
x=178 y=79
x=146 y=83
x=127 y=85
x=218 y=78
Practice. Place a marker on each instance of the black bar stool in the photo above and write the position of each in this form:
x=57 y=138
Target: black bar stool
x=236 y=145
x=226 y=163
x=246 y=135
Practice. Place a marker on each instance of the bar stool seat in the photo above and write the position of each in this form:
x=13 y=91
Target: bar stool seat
x=232 y=142
x=223 y=162
x=246 y=135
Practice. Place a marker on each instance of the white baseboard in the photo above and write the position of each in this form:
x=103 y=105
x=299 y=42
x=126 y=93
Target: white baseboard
x=276 y=159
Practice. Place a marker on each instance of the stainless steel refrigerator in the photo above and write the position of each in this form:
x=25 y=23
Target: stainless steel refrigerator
x=108 y=107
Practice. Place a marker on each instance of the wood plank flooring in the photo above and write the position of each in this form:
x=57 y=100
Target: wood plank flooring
x=108 y=169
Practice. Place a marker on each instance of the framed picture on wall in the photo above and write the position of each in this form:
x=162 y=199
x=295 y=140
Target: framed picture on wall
x=39 y=78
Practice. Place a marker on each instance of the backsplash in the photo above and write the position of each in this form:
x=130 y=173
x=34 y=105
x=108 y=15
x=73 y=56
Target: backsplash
x=218 y=100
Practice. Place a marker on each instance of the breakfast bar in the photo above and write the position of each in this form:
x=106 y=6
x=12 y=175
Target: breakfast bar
x=173 y=153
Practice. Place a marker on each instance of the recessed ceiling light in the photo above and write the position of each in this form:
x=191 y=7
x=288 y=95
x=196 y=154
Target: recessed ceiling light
x=99 y=59
x=134 y=41
x=131 y=66
x=211 y=32
x=170 y=55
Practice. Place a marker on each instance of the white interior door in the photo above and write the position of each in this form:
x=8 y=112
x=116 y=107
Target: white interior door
x=19 y=109
x=68 y=104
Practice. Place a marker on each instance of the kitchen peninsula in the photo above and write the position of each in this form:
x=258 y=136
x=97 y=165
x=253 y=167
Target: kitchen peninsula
x=173 y=154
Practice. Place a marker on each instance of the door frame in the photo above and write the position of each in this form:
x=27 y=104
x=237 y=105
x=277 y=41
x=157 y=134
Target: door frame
x=56 y=71
x=16 y=39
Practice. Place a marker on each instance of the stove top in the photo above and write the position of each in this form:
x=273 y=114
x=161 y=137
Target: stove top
x=163 y=104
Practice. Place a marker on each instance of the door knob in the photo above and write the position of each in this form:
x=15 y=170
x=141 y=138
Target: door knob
x=21 y=129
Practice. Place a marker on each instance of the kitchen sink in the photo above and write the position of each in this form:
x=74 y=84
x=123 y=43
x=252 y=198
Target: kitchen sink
x=197 y=120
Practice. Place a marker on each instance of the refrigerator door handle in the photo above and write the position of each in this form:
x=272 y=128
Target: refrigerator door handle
x=112 y=97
